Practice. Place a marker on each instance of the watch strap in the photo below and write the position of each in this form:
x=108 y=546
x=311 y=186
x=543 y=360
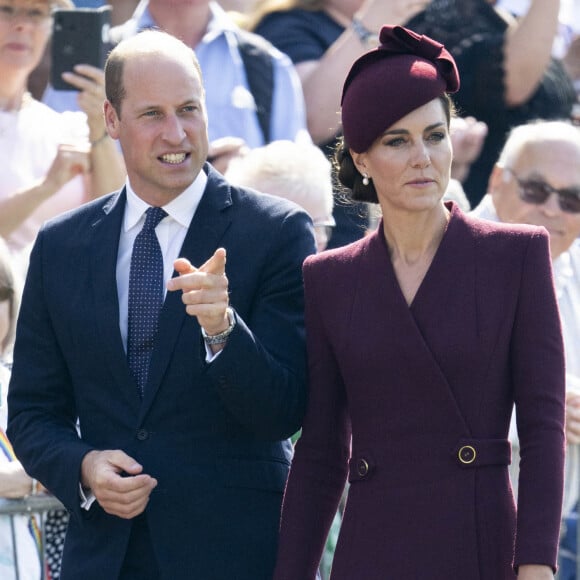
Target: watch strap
x=222 y=336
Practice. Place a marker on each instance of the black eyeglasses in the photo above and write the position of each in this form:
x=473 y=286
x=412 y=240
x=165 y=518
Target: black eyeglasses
x=537 y=191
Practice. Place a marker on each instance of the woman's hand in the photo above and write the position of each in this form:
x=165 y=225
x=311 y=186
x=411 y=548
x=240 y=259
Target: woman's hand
x=467 y=136
x=70 y=161
x=91 y=84
x=223 y=150
x=107 y=168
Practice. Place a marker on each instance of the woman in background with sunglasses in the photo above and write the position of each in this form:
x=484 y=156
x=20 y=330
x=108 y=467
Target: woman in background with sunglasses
x=537 y=181
x=421 y=336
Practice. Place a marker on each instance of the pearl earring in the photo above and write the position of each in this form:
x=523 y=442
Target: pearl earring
x=365 y=179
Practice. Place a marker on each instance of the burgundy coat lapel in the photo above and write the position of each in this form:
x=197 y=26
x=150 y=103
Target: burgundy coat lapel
x=403 y=371
x=445 y=312
x=448 y=313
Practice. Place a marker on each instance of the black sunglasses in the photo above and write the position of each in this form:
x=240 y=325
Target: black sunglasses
x=537 y=191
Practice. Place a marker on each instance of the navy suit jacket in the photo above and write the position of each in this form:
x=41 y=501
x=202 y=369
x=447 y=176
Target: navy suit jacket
x=213 y=435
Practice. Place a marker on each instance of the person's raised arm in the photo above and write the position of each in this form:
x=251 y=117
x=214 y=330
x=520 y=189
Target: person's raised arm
x=107 y=168
x=528 y=48
x=70 y=161
x=321 y=80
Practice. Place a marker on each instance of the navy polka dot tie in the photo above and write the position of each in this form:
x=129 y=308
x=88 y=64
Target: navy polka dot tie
x=145 y=296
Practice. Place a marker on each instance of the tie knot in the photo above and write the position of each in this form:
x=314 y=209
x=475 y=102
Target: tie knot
x=152 y=217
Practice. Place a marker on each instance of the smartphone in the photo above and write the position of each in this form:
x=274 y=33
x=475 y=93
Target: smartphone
x=79 y=36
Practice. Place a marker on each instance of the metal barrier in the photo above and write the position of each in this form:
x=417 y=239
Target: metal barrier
x=34 y=504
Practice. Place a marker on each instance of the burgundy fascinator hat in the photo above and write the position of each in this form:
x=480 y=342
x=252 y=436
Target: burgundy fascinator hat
x=405 y=72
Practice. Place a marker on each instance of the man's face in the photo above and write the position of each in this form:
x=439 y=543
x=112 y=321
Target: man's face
x=554 y=162
x=162 y=126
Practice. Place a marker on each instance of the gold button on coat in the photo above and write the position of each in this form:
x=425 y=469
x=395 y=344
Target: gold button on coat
x=467 y=454
x=362 y=467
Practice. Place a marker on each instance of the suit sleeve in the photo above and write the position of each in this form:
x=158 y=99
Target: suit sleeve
x=539 y=392
x=42 y=413
x=261 y=373
x=319 y=469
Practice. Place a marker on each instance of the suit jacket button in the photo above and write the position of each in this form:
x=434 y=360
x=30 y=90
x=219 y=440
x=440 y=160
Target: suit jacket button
x=142 y=434
x=362 y=467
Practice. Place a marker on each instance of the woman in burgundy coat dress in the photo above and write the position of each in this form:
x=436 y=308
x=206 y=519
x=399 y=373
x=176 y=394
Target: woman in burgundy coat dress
x=421 y=338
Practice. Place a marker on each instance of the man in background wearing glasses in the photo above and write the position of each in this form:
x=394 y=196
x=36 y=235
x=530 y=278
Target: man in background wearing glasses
x=537 y=181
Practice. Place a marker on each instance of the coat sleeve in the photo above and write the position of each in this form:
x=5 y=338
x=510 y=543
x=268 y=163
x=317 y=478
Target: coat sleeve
x=538 y=374
x=319 y=469
x=41 y=407
x=261 y=373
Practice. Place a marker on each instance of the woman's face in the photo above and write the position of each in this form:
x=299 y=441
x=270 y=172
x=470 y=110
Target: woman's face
x=25 y=27
x=410 y=162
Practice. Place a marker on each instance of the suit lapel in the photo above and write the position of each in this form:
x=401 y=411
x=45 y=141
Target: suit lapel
x=104 y=247
x=207 y=228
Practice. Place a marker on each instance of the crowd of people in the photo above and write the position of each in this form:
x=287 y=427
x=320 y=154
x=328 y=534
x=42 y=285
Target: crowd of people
x=295 y=282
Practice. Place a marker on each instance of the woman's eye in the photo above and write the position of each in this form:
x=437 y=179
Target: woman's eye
x=396 y=142
x=437 y=136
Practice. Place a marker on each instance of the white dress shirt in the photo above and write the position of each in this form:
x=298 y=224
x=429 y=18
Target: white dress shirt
x=171 y=233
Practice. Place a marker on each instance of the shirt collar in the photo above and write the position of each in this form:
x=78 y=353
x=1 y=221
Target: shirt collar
x=181 y=209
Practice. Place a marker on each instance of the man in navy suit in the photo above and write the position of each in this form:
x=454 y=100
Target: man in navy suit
x=183 y=478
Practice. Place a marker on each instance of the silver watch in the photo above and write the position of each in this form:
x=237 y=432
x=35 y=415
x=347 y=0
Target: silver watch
x=222 y=336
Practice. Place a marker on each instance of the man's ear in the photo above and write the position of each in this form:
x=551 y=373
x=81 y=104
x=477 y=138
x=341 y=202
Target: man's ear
x=501 y=194
x=498 y=177
x=111 y=120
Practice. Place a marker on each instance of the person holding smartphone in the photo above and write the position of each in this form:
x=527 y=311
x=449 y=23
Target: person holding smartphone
x=52 y=162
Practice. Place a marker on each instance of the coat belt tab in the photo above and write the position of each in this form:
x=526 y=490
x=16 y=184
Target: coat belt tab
x=480 y=452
